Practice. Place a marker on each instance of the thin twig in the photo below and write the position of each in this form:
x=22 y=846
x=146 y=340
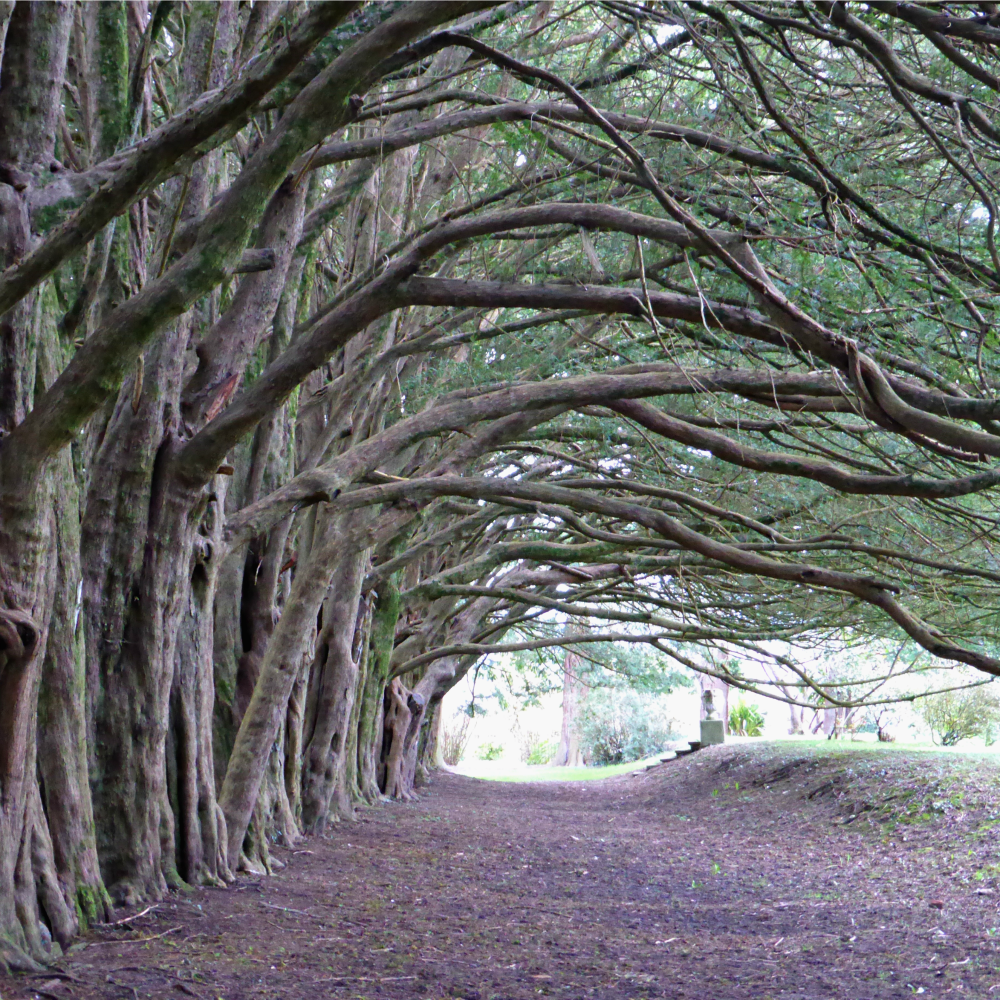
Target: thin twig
x=287 y=909
x=154 y=937
x=135 y=916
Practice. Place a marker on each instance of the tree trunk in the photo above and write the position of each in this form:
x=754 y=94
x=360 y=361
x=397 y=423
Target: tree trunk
x=269 y=702
x=385 y=615
x=31 y=78
x=135 y=822
x=62 y=717
x=796 y=720
x=200 y=835
x=429 y=757
x=294 y=735
x=403 y=715
x=140 y=530
x=20 y=639
x=568 y=753
x=331 y=697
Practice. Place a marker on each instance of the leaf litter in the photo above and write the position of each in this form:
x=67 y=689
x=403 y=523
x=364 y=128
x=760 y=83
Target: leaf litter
x=745 y=872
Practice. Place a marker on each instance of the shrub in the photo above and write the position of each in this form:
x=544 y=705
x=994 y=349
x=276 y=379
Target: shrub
x=454 y=739
x=745 y=719
x=620 y=725
x=536 y=749
x=959 y=715
x=490 y=751
x=877 y=721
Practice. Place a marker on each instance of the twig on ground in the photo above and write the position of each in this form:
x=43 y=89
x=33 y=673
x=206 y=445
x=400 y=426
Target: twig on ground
x=135 y=916
x=122 y=986
x=154 y=937
x=364 y=979
x=287 y=909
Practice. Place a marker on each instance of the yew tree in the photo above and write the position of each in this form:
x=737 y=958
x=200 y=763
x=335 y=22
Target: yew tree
x=343 y=345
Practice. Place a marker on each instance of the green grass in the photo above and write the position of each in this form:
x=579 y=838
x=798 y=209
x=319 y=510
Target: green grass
x=501 y=770
x=504 y=771
x=966 y=747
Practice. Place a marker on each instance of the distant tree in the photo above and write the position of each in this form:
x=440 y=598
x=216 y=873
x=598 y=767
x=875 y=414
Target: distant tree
x=960 y=715
x=574 y=699
x=620 y=725
x=455 y=737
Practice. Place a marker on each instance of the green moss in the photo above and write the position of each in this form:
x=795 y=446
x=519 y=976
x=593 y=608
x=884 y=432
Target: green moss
x=112 y=41
x=174 y=880
x=91 y=905
x=45 y=218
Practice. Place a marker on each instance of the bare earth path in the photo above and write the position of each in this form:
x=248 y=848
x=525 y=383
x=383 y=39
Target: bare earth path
x=647 y=886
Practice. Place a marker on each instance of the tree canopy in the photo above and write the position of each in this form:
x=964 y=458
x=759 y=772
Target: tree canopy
x=346 y=344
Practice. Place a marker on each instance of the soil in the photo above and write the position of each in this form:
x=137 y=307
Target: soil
x=776 y=871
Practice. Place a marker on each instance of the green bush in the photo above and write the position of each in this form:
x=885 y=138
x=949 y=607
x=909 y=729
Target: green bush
x=745 y=719
x=619 y=725
x=454 y=739
x=490 y=751
x=960 y=715
x=536 y=749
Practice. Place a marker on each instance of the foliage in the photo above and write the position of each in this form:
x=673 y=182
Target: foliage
x=639 y=667
x=877 y=721
x=745 y=719
x=536 y=749
x=523 y=678
x=681 y=445
x=455 y=738
x=960 y=715
x=620 y=725
x=490 y=751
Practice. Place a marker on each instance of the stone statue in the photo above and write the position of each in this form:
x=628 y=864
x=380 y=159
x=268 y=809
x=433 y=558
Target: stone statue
x=708 y=704
x=713 y=728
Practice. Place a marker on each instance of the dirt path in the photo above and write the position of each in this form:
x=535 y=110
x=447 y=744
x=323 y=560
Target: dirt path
x=714 y=878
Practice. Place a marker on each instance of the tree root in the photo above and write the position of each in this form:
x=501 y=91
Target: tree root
x=15 y=959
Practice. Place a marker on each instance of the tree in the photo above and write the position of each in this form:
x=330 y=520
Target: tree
x=574 y=699
x=344 y=345
x=619 y=725
x=954 y=716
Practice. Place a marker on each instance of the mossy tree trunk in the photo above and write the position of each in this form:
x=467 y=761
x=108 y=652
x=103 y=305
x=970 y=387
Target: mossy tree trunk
x=31 y=80
x=330 y=701
x=385 y=615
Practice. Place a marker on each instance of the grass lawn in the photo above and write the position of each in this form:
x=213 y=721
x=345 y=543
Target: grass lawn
x=501 y=770
x=869 y=743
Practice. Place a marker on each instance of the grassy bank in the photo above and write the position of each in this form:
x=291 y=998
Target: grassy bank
x=870 y=749
x=502 y=770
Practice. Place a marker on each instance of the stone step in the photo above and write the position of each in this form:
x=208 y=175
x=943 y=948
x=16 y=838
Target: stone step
x=693 y=747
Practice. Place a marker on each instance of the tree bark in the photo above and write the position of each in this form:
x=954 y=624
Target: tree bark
x=31 y=78
x=404 y=712
x=330 y=701
x=269 y=701
x=385 y=615
x=568 y=753
x=62 y=715
x=201 y=833
x=139 y=544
